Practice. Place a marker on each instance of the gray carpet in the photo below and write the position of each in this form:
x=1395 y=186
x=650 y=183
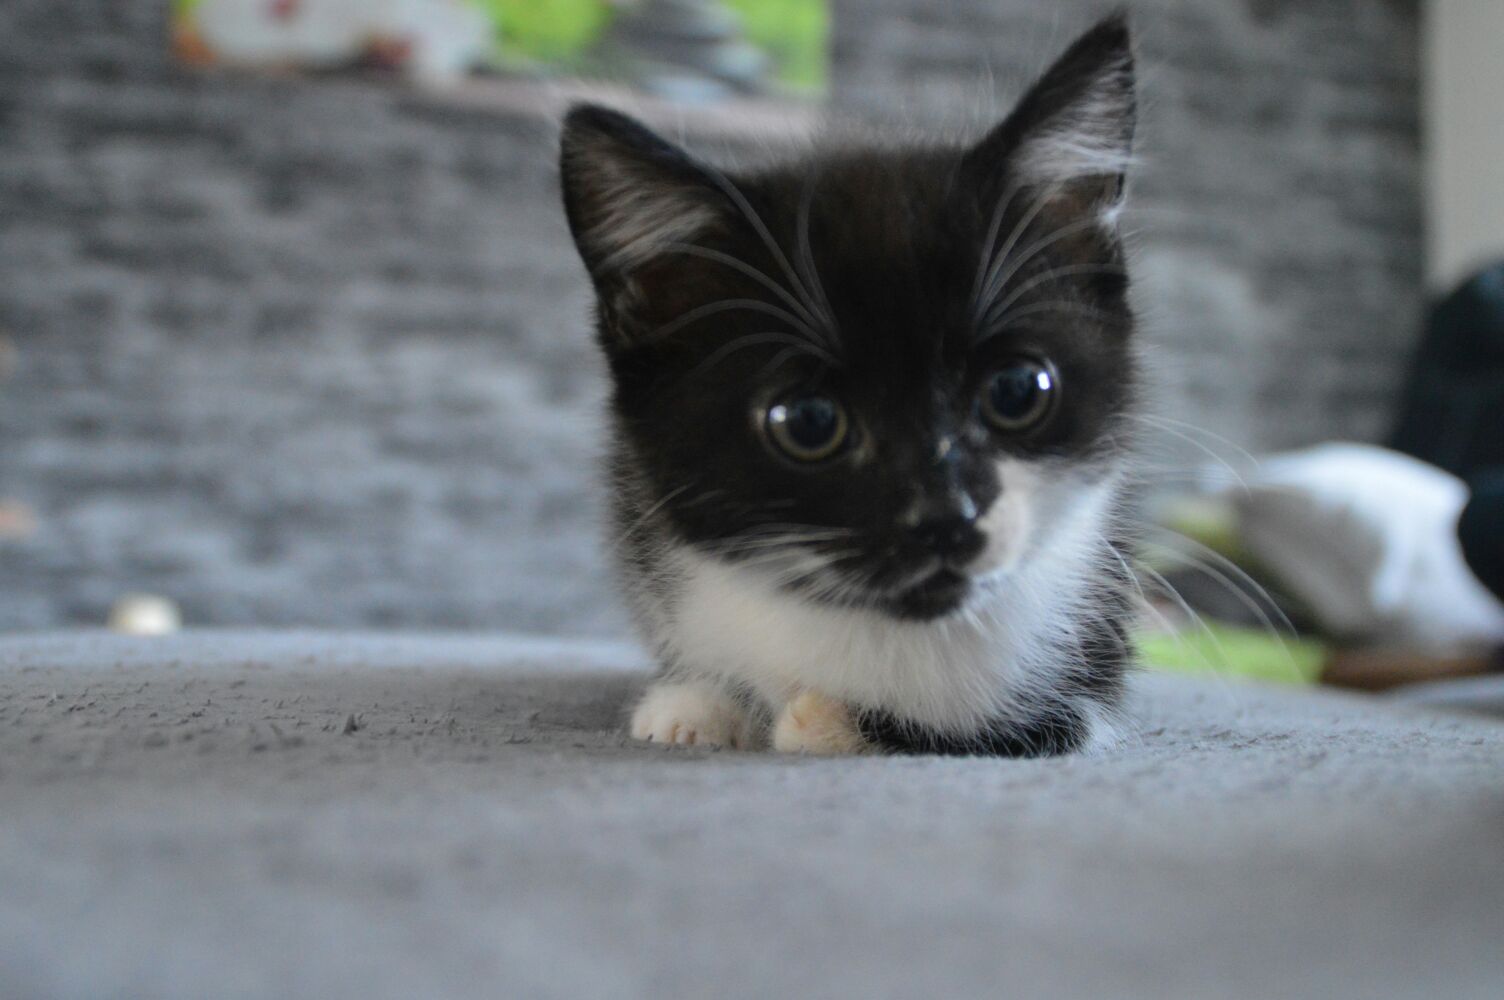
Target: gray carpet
x=242 y=815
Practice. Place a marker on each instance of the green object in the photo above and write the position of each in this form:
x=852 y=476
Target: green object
x=794 y=33
x=561 y=35
x=1227 y=651
x=532 y=32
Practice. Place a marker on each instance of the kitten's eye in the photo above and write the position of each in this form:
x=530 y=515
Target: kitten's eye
x=807 y=428
x=1019 y=395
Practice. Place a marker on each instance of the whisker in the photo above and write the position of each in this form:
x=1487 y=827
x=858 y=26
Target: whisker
x=750 y=214
x=741 y=266
x=1064 y=308
x=1055 y=274
x=1123 y=562
x=727 y=305
x=806 y=253
x=989 y=254
x=1173 y=595
x=1248 y=602
x=778 y=535
x=630 y=530
x=996 y=285
x=1013 y=238
x=1150 y=421
x=1246 y=586
x=755 y=340
x=1243 y=452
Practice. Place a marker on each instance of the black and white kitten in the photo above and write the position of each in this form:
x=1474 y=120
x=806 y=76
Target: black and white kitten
x=868 y=460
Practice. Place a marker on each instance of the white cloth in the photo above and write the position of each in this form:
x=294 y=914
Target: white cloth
x=1367 y=537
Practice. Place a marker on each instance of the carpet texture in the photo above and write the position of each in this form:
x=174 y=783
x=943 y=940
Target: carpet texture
x=290 y=815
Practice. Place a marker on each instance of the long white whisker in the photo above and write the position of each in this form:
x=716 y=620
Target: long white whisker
x=741 y=266
x=1180 y=602
x=1242 y=452
x=807 y=256
x=1150 y=421
x=996 y=286
x=727 y=305
x=1245 y=586
x=1033 y=309
x=1013 y=238
x=745 y=207
x=989 y=252
x=647 y=514
x=755 y=340
x=1055 y=274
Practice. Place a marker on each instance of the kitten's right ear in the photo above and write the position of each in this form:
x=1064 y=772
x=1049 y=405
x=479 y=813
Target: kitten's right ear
x=1074 y=128
x=629 y=193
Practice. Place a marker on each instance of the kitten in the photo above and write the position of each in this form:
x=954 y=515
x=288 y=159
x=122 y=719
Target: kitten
x=868 y=463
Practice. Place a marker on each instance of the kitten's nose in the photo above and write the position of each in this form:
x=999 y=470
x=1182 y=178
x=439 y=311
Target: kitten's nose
x=953 y=536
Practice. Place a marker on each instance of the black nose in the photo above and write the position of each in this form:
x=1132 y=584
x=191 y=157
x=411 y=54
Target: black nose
x=954 y=537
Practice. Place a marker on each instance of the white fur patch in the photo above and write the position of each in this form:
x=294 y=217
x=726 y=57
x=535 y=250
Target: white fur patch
x=1010 y=522
x=1104 y=729
x=952 y=673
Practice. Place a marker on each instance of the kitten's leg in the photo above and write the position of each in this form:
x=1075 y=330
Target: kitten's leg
x=815 y=724
x=690 y=712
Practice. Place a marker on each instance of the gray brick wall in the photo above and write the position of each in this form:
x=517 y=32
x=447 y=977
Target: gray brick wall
x=289 y=352
x=314 y=352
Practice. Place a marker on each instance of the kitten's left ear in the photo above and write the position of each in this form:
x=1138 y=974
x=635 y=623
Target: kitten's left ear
x=629 y=193
x=1074 y=128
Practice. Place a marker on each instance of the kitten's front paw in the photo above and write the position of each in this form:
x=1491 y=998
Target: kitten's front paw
x=689 y=714
x=812 y=723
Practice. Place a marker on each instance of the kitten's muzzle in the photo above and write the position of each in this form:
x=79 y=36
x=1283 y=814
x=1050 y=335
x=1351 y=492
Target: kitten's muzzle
x=954 y=537
x=942 y=517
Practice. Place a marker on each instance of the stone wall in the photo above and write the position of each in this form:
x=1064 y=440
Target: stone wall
x=314 y=352
x=287 y=351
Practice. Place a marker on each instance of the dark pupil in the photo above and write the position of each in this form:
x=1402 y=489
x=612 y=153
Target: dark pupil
x=812 y=422
x=1016 y=392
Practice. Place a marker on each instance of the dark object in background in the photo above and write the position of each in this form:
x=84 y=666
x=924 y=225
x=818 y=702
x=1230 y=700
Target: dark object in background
x=1453 y=411
x=1481 y=528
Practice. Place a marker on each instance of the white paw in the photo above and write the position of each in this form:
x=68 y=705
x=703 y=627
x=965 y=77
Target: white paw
x=689 y=714
x=814 y=724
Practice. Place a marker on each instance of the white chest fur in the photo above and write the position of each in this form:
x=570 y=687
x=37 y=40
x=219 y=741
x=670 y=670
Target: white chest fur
x=951 y=674
x=733 y=622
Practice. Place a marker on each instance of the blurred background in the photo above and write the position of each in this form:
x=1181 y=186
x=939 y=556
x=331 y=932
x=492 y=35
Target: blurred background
x=292 y=333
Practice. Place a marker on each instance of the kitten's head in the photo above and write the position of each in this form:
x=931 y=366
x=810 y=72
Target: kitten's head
x=881 y=376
